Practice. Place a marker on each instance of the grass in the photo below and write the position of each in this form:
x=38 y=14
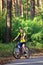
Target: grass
x=6 y=49
x=35 y=45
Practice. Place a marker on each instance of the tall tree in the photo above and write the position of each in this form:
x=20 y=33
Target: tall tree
x=13 y=7
x=13 y=3
x=16 y=8
x=1 y=5
x=8 y=22
x=38 y=3
x=4 y=4
x=32 y=8
x=26 y=9
x=21 y=8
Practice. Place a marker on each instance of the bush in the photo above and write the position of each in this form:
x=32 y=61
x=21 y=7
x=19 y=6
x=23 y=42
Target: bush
x=33 y=28
x=3 y=25
x=38 y=36
x=35 y=45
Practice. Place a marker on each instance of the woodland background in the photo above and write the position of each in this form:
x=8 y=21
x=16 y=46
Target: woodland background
x=27 y=14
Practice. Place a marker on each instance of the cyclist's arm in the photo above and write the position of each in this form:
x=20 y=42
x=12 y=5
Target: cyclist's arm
x=16 y=37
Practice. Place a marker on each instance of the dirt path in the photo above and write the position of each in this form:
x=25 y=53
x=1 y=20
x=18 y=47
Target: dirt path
x=34 y=53
x=4 y=60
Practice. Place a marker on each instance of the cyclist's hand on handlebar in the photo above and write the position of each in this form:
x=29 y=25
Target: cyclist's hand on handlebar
x=13 y=40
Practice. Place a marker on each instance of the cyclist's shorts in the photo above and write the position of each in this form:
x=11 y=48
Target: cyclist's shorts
x=20 y=44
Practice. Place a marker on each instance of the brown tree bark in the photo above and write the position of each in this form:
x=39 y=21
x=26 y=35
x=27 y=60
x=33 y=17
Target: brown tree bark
x=0 y=5
x=4 y=4
x=37 y=3
x=21 y=8
x=13 y=2
x=16 y=8
x=26 y=9
x=32 y=8
x=8 y=22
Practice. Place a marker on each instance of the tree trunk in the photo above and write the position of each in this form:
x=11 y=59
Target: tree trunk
x=4 y=4
x=32 y=6
x=13 y=7
x=40 y=3
x=0 y=5
x=16 y=8
x=37 y=3
x=21 y=8
x=13 y=3
x=8 y=22
x=26 y=9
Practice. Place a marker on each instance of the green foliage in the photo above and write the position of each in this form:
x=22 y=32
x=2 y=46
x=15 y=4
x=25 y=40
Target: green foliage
x=38 y=37
x=35 y=45
x=33 y=28
x=3 y=25
x=6 y=49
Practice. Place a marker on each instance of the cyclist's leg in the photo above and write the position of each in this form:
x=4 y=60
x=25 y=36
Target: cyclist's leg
x=19 y=46
x=23 y=46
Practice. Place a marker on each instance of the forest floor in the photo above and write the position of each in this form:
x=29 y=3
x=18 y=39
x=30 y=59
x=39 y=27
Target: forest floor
x=34 y=54
x=6 y=53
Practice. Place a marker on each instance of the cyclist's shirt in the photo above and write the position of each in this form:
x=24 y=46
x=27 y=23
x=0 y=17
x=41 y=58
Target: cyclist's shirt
x=21 y=39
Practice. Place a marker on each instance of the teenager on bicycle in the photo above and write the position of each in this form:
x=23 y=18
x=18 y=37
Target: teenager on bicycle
x=22 y=39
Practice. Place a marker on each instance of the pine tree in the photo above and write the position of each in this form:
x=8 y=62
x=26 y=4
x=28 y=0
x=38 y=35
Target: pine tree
x=8 y=22
x=32 y=8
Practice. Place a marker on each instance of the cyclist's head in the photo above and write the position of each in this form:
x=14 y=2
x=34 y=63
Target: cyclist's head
x=21 y=30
